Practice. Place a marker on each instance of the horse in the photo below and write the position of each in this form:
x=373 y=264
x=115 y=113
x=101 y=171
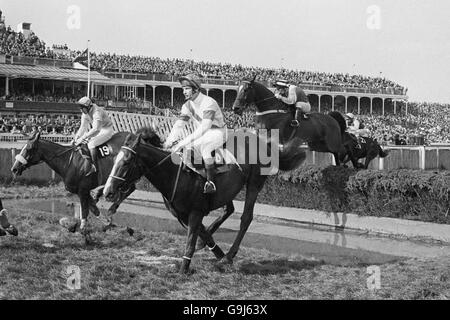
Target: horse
x=183 y=189
x=322 y=133
x=5 y=225
x=369 y=149
x=69 y=164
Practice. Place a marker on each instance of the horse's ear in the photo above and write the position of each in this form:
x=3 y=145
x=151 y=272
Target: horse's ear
x=36 y=136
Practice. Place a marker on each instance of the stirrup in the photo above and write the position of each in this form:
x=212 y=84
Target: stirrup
x=209 y=187
x=295 y=123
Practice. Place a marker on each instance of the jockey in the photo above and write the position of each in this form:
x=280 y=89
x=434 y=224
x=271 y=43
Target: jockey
x=102 y=129
x=211 y=132
x=354 y=128
x=293 y=96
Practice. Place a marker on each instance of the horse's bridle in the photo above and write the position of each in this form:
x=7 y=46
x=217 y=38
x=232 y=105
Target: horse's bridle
x=152 y=168
x=265 y=99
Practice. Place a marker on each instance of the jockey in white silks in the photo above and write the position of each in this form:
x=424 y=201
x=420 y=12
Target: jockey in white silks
x=354 y=127
x=293 y=96
x=96 y=128
x=211 y=132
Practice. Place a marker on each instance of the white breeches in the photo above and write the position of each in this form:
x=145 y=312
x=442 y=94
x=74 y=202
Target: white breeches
x=104 y=135
x=304 y=106
x=211 y=140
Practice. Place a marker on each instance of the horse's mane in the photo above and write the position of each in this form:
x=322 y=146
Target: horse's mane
x=149 y=135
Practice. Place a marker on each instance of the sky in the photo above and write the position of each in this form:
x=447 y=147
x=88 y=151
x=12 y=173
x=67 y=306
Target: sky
x=407 y=41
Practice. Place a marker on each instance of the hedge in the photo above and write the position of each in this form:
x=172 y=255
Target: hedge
x=406 y=194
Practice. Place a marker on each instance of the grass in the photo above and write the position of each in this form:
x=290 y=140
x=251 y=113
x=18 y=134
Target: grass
x=145 y=266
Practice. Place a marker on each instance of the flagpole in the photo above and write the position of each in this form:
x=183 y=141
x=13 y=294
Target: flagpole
x=89 y=71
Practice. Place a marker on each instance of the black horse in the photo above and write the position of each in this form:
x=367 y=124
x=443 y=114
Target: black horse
x=321 y=132
x=183 y=189
x=69 y=164
x=368 y=148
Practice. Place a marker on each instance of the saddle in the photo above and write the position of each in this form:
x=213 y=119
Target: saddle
x=224 y=160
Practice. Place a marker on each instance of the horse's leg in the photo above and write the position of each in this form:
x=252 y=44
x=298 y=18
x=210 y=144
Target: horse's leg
x=84 y=203
x=254 y=185
x=336 y=159
x=195 y=221
x=93 y=206
x=209 y=241
x=227 y=211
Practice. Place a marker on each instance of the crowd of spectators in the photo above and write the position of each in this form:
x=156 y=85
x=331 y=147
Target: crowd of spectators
x=16 y=44
x=46 y=124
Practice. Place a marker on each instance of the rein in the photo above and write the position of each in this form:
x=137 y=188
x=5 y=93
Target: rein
x=152 y=168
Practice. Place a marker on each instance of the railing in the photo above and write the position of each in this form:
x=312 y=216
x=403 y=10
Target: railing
x=59 y=138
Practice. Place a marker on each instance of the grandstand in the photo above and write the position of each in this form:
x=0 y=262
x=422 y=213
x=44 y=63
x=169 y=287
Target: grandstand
x=36 y=80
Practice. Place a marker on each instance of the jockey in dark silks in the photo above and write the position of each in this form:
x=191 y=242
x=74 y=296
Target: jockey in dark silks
x=293 y=96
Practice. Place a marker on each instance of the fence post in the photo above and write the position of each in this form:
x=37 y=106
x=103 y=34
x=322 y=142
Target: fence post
x=422 y=157
x=13 y=155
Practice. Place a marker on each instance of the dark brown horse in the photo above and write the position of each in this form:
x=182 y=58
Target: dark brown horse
x=369 y=149
x=69 y=164
x=321 y=132
x=183 y=189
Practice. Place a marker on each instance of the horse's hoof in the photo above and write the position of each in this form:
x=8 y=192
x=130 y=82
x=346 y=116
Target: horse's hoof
x=226 y=260
x=12 y=231
x=2 y=233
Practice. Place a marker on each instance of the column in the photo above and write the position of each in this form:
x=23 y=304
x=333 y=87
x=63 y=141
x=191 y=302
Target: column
x=223 y=100
x=406 y=107
x=319 y=103
x=395 y=106
x=171 y=96
x=359 y=105
x=32 y=87
x=207 y=92
x=7 y=86
x=346 y=108
x=382 y=108
x=371 y=105
x=332 y=103
x=154 y=90
x=53 y=86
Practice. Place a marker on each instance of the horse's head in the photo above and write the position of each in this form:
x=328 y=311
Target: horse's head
x=245 y=96
x=29 y=156
x=126 y=170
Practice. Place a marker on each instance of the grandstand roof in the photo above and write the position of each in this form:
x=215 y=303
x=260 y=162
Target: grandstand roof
x=48 y=72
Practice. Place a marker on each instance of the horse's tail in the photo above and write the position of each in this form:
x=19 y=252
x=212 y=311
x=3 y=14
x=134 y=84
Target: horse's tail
x=292 y=155
x=382 y=153
x=340 y=120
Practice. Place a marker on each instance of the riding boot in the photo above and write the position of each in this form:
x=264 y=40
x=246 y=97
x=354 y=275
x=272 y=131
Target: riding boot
x=93 y=162
x=295 y=122
x=210 y=187
x=299 y=115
